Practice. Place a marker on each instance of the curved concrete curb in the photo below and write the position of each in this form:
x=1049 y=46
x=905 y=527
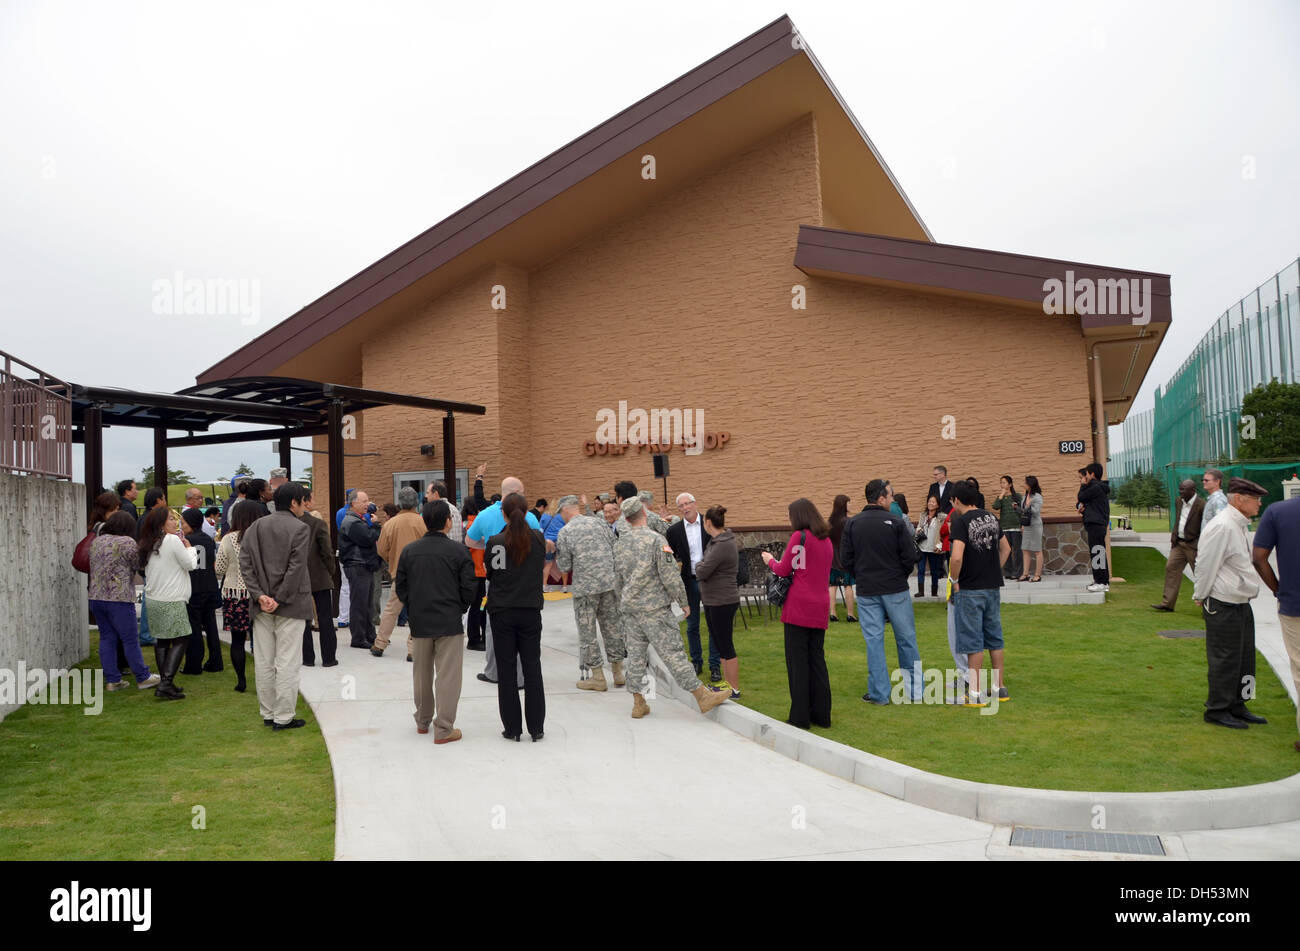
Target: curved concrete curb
x=1187 y=811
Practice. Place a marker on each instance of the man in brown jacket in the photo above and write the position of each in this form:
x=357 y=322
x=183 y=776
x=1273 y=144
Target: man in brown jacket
x=398 y=532
x=320 y=568
x=273 y=554
x=1182 y=542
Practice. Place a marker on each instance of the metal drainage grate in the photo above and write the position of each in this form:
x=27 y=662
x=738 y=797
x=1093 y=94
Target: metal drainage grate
x=1172 y=634
x=1087 y=841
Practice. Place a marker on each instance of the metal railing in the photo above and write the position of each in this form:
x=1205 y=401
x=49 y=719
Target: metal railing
x=35 y=421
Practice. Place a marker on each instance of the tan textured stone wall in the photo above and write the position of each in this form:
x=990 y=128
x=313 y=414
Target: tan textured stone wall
x=687 y=305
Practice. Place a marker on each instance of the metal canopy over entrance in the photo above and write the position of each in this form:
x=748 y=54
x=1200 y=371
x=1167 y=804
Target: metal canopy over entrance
x=300 y=407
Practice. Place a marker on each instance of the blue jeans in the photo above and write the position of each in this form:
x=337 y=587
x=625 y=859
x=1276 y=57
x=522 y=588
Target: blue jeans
x=145 y=637
x=979 y=619
x=935 y=560
x=693 y=629
x=872 y=611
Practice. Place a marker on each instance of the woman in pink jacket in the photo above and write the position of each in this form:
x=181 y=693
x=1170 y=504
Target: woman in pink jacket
x=807 y=557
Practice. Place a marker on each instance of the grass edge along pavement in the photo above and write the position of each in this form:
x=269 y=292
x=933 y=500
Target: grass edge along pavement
x=1099 y=702
x=124 y=784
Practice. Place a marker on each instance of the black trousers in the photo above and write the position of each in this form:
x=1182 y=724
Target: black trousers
x=325 y=617
x=1096 y=535
x=722 y=622
x=475 y=623
x=361 y=581
x=202 y=609
x=810 y=684
x=518 y=631
x=1229 y=655
x=1013 y=564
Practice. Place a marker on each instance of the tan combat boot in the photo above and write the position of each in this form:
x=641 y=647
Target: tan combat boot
x=708 y=699
x=639 y=707
x=595 y=682
x=619 y=679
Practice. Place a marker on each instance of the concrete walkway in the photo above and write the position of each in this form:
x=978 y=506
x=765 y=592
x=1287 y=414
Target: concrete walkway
x=603 y=786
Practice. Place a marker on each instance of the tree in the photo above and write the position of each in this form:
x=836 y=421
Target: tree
x=245 y=470
x=1270 y=422
x=306 y=473
x=174 y=476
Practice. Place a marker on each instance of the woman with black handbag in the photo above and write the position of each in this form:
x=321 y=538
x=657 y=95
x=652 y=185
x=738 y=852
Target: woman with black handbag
x=805 y=608
x=931 y=545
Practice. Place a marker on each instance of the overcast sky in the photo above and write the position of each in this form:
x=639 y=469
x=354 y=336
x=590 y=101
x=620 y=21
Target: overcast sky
x=290 y=145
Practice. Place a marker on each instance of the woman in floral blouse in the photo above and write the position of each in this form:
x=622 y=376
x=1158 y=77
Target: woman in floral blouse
x=113 y=561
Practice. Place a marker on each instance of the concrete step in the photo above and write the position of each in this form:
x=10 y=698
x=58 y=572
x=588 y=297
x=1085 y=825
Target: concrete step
x=1053 y=597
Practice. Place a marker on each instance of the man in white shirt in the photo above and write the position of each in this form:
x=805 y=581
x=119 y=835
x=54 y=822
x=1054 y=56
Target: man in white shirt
x=1189 y=518
x=1225 y=583
x=194 y=500
x=688 y=539
x=438 y=490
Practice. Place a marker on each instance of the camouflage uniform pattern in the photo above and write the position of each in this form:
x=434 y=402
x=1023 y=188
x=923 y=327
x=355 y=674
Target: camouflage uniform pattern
x=652 y=521
x=649 y=583
x=585 y=546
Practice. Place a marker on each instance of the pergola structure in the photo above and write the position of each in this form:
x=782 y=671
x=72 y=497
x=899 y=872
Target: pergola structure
x=298 y=407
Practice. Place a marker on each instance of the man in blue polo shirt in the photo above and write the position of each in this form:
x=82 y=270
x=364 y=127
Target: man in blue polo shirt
x=1280 y=529
x=487 y=523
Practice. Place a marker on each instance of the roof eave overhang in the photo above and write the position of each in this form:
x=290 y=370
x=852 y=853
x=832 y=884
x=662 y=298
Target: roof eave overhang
x=1126 y=343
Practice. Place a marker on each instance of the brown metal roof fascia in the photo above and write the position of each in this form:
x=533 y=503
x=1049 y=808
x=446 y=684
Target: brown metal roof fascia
x=999 y=274
x=685 y=96
x=217 y=408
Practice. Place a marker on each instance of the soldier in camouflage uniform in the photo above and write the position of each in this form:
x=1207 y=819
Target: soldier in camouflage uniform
x=627 y=490
x=585 y=546
x=649 y=583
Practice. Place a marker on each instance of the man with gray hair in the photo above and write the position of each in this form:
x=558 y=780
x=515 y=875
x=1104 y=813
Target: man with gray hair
x=398 y=532
x=360 y=561
x=585 y=546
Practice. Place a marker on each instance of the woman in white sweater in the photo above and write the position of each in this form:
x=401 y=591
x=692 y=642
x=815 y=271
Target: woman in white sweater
x=166 y=559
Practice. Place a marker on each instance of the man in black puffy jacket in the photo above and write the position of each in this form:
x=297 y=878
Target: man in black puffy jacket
x=1094 y=504
x=360 y=561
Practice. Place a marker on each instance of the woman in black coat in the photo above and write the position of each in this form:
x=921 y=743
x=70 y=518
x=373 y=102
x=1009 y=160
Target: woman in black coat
x=513 y=559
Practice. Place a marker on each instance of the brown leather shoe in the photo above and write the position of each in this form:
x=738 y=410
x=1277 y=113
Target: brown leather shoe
x=451 y=737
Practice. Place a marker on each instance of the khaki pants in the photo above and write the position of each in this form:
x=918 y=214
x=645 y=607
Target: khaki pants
x=437 y=676
x=277 y=647
x=1291 y=638
x=1181 y=555
x=388 y=620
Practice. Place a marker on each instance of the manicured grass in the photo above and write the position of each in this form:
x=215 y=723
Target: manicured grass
x=1146 y=523
x=1099 y=702
x=124 y=784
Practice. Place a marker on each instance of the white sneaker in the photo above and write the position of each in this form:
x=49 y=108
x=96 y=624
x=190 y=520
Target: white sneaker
x=153 y=681
x=1098 y=587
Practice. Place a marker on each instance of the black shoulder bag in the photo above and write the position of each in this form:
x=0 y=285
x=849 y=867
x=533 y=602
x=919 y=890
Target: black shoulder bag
x=778 y=588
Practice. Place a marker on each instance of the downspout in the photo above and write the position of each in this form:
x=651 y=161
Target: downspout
x=1101 y=440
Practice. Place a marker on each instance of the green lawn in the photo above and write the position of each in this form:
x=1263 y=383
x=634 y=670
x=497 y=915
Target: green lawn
x=124 y=784
x=1099 y=702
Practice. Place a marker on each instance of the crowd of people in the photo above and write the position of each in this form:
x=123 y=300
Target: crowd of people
x=482 y=570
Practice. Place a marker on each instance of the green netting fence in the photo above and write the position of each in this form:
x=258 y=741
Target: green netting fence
x=1267 y=474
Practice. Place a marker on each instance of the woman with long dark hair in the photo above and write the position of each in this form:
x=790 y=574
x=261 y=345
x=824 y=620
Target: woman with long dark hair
x=514 y=559
x=807 y=559
x=840 y=579
x=234 y=593
x=106 y=503
x=930 y=524
x=167 y=559
x=1031 y=542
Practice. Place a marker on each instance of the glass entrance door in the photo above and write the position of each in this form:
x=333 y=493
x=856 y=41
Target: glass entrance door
x=419 y=481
